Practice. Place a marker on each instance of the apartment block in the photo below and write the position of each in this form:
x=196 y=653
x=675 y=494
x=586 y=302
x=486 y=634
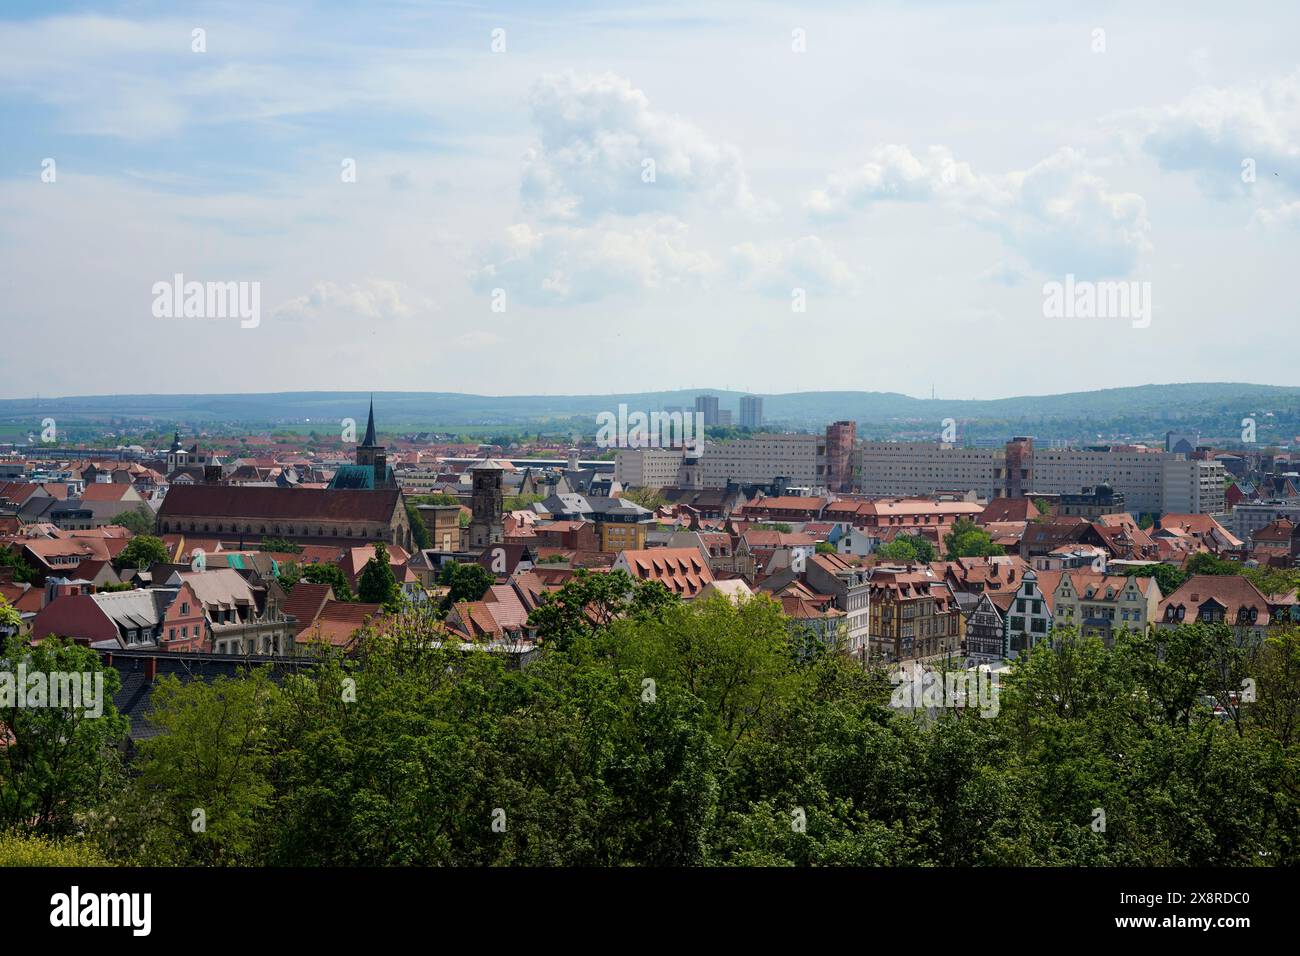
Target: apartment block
x=1138 y=475
x=908 y=469
x=763 y=458
x=751 y=412
x=1193 y=487
x=1144 y=480
x=647 y=467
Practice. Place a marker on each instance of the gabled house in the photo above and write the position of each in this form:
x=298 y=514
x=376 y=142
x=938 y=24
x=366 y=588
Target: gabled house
x=683 y=571
x=1099 y=604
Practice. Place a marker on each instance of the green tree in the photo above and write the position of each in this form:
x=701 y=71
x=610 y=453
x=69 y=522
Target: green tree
x=332 y=575
x=23 y=573
x=908 y=547
x=138 y=521
x=419 y=530
x=10 y=620
x=142 y=551
x=208 y=766
x=466 y=582
x=59 y=761
x=280 y=545
x=588 y=603
x=969 y=540
x=650 y=498
x=377 y=584
x=288 y=573
x=1206 y=563
x=1168 y=578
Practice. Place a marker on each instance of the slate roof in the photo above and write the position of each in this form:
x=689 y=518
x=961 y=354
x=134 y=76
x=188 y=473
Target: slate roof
x=237 y=501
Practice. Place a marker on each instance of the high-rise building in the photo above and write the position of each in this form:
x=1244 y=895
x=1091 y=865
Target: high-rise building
x=751 y=412
x=725 y=417
x=840 y=439
x=708 y=406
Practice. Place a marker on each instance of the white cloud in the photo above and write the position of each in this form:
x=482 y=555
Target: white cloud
x=598 y=135
x=1284 y=215
x=1213 y=130
x=775 y=269
x=375 y=299
x=573 y=264
x=1057 y=214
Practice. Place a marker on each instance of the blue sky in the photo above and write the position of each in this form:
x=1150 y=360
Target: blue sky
x=917 y=171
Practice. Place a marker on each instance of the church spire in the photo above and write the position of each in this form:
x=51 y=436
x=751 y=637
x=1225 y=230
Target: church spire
x=370 y=425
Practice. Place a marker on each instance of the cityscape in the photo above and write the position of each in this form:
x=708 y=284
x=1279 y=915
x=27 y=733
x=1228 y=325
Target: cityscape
x=592 y=437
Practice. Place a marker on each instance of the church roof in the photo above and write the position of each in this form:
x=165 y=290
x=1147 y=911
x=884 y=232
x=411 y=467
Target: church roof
x=254 y=501
x=359 y=477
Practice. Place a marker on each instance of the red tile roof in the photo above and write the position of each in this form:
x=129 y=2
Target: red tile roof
x=682 y=570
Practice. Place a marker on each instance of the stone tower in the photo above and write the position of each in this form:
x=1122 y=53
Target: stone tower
x=488 y=503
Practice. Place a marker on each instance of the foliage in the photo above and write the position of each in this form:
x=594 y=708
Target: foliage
x=18 y=848
x=467 y=582
x=23 y=573
x=908 y=547
x=377 y=584
x=332 y=575
x=439 y=498
x=589 y=602
x=207 y=769
x=654 y=732
x=139 y=520
x=969 y=540
x=651 y=499
x=10 y=619
x=280 y=545
x=288 y=573
x=142 y=551
x=58 y=761
x=419 y=530
x=521 y=502
x=1206 y=563
x=1168 y=578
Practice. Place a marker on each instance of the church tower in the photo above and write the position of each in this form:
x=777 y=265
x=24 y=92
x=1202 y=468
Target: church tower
x=371 y=471
x=486 y=527
x=371 y=454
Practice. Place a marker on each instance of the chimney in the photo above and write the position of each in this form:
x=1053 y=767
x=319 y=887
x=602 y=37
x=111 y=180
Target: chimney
x=151 y=669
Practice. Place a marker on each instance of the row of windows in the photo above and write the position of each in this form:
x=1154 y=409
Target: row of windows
x=262 y=529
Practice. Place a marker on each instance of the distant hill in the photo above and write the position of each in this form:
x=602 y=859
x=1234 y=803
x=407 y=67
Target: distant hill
x=1214 y=409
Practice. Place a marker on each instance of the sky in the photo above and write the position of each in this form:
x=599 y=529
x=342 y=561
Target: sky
x=523 y=198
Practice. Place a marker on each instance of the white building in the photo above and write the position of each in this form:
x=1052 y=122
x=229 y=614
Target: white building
x=647 y=467
x=761 y=459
